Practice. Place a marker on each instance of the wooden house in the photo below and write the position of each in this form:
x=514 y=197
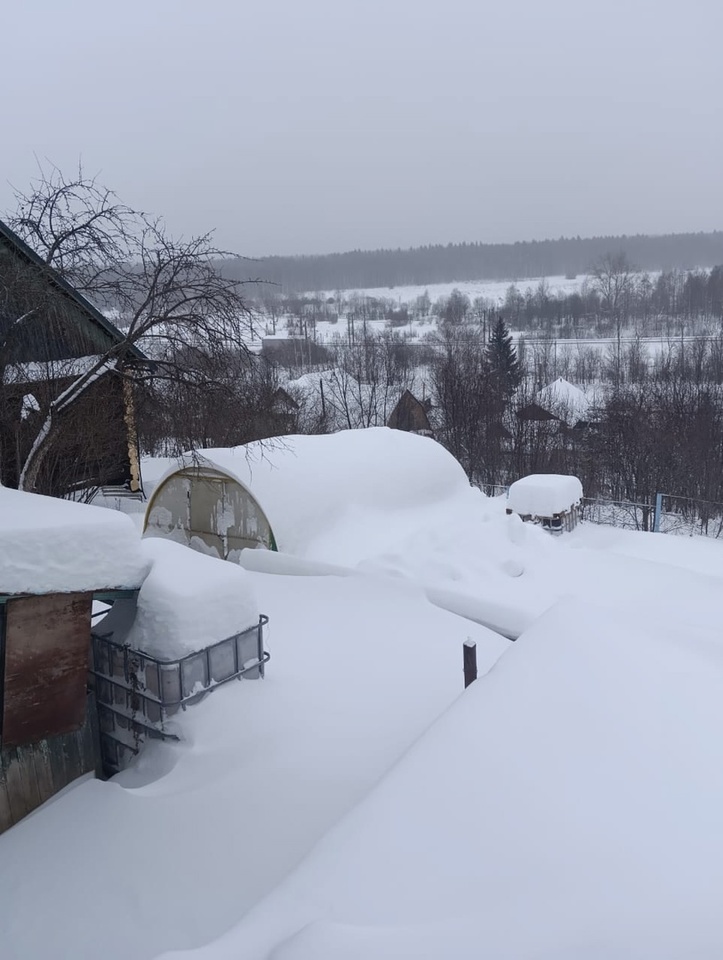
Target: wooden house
x=560 y=401
x=410 y=414
x=285 y=411
x=535 y=413
x=49 y=336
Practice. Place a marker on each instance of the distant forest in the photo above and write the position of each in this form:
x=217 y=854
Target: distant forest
x=455 y=262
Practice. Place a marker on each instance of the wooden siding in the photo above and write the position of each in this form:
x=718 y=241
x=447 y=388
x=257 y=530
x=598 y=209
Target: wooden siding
x=47 y=639
x=31 y=774
x=410 y=415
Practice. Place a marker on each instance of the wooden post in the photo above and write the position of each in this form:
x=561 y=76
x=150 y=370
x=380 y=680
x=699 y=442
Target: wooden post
x=469 y=651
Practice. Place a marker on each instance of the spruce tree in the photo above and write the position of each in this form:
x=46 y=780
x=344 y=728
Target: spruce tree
x=502 y=359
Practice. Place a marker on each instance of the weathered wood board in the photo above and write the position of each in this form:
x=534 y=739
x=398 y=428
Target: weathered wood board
x=47 y=639
x=31 y=774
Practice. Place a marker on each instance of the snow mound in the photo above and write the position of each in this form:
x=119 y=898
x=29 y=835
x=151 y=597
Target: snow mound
x=154 y=469
x=544 y=494
x=567 y=806
x=187 y=602
x=57 y=546
x=389 y=503
x=313 y=486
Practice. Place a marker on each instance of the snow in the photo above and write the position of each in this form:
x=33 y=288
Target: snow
x=351 y=486
x=187 y=602
x=29 y=406
x=565 y=400
x=494 y=290
x=504 y=618
x=573 y=812
x=543 y=494
x=40 y=372
x=57 y=546
x=357 y=802
x=154 y=469
x=169 y=854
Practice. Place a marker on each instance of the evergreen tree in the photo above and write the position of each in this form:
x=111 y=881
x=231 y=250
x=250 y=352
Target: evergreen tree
x=502 y=359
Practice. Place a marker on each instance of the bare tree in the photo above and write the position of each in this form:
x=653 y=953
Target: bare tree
x=165 y=294
x=365 y=382
x=613 y=277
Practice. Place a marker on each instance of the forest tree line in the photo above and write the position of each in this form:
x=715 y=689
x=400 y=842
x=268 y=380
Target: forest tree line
x=456 y=262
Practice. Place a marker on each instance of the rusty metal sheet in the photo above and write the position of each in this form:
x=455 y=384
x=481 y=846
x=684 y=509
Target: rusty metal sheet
x=46 y=666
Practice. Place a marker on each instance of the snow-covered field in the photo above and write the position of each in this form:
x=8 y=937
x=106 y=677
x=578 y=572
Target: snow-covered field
x=492 y=290
x=358 y=804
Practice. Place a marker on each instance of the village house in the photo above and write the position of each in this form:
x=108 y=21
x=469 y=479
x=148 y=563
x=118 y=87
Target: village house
x=49 y=336
x=560 y=401
x=412 y=415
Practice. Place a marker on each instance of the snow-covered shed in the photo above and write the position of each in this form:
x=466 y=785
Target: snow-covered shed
x=204 y=503
x=55 y=555
x=550 y=499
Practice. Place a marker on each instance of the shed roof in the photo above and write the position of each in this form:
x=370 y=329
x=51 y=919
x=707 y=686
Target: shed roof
x=58 y=546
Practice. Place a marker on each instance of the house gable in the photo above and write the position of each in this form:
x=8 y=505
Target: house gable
x=59 y=322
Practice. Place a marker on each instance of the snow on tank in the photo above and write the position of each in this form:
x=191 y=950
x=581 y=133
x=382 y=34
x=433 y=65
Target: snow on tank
x=548 y=498
x=187 y=602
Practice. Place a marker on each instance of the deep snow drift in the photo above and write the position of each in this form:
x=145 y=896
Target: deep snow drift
x=342 y=484
x=172 y=853
x=565 y=806
x=388 y=503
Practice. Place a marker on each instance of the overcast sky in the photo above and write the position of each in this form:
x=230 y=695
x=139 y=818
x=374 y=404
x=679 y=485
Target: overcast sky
x=302 y=126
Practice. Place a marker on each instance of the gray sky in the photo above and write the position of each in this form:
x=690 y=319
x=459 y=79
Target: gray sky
x=301 y=126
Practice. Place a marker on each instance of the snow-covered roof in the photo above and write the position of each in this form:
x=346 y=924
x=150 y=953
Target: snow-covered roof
x=565 y=400
x=57 y=546
x=307 y=484
x=187 y=602
x=544 y=494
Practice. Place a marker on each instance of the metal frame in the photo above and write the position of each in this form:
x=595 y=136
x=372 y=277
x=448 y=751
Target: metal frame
x=142 y=660
x=137 y=692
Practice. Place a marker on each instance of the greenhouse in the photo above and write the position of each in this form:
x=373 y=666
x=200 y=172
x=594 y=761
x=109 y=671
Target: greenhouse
x=208 y=508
